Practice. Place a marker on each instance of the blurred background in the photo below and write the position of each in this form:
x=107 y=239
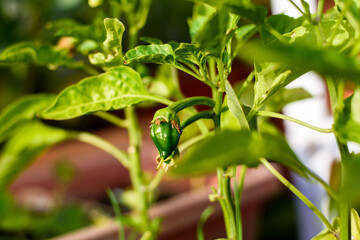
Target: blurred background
x=74 y=176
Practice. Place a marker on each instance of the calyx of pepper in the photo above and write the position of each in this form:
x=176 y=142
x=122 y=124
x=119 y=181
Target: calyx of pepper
x=165 y=131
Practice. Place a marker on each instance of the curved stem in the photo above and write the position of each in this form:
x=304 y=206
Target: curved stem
x=284 y=117
x=188 y=102
x=104 y=145
x=195 y=117
x=344 y=206
x=136 y=174
x=301 y=196
x=238 y=196
x=112 y=119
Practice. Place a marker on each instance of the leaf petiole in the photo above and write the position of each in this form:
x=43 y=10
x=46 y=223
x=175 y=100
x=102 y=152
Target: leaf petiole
x=284 y=117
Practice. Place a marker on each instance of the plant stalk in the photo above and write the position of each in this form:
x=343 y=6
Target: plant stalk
x=224 y=189
x=136 y=174
x=344 y=205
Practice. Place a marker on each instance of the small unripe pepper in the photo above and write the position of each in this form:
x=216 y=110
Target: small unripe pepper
x=165 y=131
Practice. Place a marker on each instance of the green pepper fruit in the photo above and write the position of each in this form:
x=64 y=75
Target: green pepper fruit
x=165 y=131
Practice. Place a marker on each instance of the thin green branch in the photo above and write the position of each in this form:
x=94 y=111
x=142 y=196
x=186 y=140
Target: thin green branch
x=195 y=117
x=116 y=208
x=92 y=139
x=284 y=117
x=301 y=196
x=200 y=227
x=191 y=101
x=112 y=119
x=238 y=196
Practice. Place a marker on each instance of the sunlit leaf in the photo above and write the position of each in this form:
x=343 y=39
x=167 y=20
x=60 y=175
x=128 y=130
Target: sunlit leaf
x=21 y=111
x=281 y=23
x=118 y=88
x=235 y=107
x=188 y=52
x=153 y=53
x=271 y=77
x=355 y=225
x=26 y=144
x=112 y=54
x=326 y=234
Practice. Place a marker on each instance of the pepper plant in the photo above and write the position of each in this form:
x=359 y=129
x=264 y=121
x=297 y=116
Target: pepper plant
x=278 y=47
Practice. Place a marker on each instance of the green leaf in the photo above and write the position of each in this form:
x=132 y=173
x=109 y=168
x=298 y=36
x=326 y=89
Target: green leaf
x=347 y=119
x=355 y=225
x=118 y=88
x=241 y=147
x=43 y=55
x=187 y=52
x=243 y=33
x=27 y=143
x=112 y=54
x=238 y=147
x=305 y=36
x=153 y=53
x=211 y=38
x=326 y=234
x=281 y=23
x=253 y=13
x=327 y=62
x=270 y=78
x=286 y=96
x=21 y=111
x=235 y=107
x=201 y=15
